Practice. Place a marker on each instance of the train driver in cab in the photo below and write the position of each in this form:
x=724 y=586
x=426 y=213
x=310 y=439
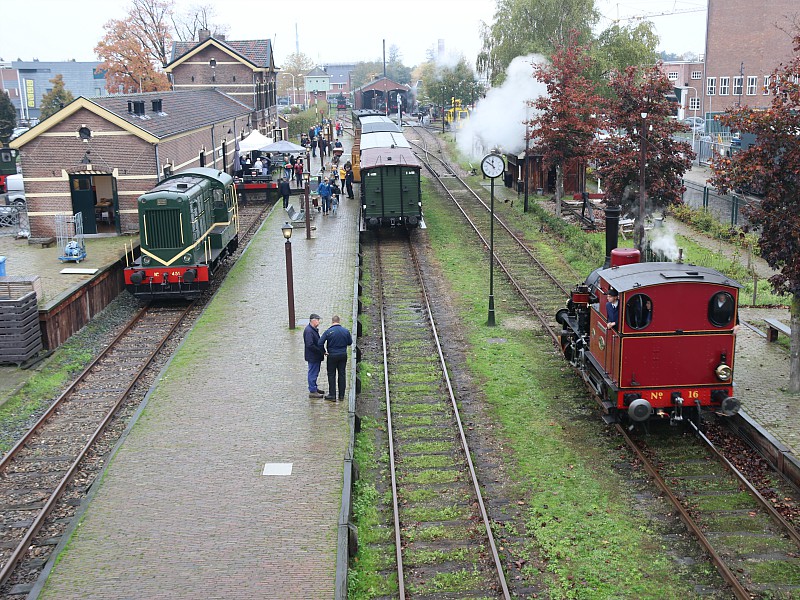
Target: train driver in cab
x=612 y=307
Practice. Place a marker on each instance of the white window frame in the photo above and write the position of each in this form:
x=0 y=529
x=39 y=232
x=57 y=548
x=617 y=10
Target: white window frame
x=724 y=85
x=711 y=86
x=751 y=85
x=767 y=79
x=738 y=86
x=694 y=103
x=672 y=76
x=697 y=74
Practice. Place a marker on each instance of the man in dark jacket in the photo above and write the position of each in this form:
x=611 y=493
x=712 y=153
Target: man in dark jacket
x=285 y=190
x=338 y=338
x=313 y=355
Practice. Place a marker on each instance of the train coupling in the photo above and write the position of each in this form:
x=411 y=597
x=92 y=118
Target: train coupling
x=676 y=416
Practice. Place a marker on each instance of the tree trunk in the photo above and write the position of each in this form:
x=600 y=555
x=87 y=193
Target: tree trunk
x=559 y=188
x=794 y=346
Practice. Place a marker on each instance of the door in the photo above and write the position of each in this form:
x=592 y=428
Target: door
x=84 y=200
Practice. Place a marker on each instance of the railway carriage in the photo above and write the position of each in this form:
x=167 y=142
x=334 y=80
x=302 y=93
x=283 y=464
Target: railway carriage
x=391 y=193
x=188 y=224
x=671 y=354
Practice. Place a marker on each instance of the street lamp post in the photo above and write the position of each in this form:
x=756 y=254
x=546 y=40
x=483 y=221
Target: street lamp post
x=287 y=234
x=642 y=193
x=307 y=181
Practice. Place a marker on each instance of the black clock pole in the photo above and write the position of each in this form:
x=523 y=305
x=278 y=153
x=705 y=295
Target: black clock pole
x=490 y=320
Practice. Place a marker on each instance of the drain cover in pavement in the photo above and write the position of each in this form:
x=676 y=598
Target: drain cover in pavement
x=277 y=469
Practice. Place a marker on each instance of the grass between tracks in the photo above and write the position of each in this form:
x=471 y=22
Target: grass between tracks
x=581 y=519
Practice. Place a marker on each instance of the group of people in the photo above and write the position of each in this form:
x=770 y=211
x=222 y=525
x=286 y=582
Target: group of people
x=262 y=165
x=331 y=345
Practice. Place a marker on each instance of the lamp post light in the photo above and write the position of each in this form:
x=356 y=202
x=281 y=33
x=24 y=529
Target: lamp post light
x=642 y=192
x=287 y=234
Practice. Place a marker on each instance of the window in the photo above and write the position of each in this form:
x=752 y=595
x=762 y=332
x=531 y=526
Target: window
x=738 y=82
x=697 y=74
x=672 y=75
x=724 y=85
x=638 y=311
x=766 y=84
x=711 y=86
x=721 y=309
x=751 y=85
x=694 y=103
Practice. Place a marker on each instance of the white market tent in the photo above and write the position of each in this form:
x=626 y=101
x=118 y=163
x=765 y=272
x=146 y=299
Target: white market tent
x=254 y=141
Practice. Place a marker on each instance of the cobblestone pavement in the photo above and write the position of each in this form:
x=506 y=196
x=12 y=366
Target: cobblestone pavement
x=184 y=510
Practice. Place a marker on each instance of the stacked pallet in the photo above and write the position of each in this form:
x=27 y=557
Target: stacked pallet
x=20 y=333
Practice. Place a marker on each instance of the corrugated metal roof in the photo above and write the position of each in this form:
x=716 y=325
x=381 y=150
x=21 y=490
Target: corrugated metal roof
x=181 y=111
x=377 y=157
x=639 y=275
x=383 y=139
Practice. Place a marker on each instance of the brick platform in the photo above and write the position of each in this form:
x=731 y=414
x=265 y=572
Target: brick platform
x=184 y=510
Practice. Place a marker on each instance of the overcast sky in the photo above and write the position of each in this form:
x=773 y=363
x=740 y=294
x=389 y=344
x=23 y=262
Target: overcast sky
x=327 y=31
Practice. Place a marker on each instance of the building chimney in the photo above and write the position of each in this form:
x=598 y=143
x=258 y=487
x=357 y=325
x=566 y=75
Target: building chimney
x=203 y=34
x=157 y=106
x=138 y=107
x=130 y=106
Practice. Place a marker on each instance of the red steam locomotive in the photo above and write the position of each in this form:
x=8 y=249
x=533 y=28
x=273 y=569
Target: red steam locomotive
x=669 y=353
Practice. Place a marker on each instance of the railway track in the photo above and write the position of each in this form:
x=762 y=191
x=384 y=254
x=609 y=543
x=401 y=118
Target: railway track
x=50 y=460
x=754 y=549
x=48 y=472
x=442 y=532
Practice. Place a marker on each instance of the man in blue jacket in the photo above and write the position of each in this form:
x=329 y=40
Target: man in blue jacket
x=338 y=338
x=313 y=355
x=324 y=190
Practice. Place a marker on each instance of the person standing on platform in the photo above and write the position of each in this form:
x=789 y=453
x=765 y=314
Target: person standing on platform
x=298 y=173
x=337 y=338
x=267 y=166
x=348 y=179
x=313 y=355
x=342 y=176
x=324 y=191
x=285 y=190
x=314 y=147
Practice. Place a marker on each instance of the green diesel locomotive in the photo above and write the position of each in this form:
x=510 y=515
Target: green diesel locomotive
x=188 y=224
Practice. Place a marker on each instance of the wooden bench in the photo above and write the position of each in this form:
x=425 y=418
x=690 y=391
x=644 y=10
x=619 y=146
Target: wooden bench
x=774 y=327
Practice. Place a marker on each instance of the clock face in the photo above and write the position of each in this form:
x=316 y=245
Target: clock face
x=492 y=166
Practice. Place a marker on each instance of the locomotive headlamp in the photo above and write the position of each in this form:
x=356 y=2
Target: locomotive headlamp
x=723 y=372
x=187 y=258
x=146 y=260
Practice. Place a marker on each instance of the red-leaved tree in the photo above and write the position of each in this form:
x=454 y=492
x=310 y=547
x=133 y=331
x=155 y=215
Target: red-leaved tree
x=564 y=129
x=642 y=145
x=772 y=164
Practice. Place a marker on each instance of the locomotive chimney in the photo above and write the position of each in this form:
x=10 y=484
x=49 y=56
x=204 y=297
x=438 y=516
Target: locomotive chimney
x=612 y=231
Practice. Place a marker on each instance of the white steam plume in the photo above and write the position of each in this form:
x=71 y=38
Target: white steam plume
x=498 y=120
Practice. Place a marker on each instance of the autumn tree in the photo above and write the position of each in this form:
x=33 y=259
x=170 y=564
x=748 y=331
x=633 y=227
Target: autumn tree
x=56 y=99
x=522 y=27
x=566 y=120
x=638 y=118
x=773 y=165
x=134 y=50
x=8 y=118
x=621 y=46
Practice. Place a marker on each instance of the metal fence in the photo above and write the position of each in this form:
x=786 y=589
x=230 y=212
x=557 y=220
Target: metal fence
x=14 y=220
x=727 y=208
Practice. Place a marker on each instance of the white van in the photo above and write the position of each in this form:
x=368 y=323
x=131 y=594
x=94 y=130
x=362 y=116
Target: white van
x=15 y=189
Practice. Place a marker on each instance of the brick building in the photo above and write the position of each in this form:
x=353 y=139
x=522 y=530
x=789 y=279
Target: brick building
x=96 y=156
x=745 y=42
x=244 y=70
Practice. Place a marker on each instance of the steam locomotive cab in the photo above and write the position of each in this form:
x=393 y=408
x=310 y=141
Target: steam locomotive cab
x=671 y=352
